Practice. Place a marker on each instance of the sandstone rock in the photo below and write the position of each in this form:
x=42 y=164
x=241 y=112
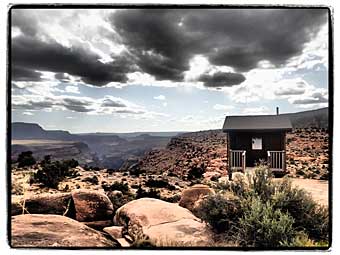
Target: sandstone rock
x=99 y=225
x=162 y=222
x=42 y=230
x=123 y=242
x=193 y=194
x=92 y=205
x=43 y=204
x=114 y=231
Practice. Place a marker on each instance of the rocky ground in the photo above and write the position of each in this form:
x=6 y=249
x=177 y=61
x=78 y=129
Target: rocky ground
x=164 y=175
x=308 y=153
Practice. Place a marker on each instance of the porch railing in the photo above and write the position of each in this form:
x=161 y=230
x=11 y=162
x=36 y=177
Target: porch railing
x=238 y=160
x=276 y=160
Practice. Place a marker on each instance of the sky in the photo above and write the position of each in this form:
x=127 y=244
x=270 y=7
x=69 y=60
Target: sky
x=107 y=70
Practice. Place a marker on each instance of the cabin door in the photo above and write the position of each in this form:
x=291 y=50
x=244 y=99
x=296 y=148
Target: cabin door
x=256 y=151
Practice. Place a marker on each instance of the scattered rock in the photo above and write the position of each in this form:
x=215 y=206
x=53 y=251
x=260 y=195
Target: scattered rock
x=161 y=222
x=46 y=230
x=92 y=205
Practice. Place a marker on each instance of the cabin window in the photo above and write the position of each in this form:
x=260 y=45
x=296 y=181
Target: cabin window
x=257 y=143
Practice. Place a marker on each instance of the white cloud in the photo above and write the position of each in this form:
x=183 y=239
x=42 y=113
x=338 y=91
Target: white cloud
x=165 y=104
x=262 y=110
x=28 y=113
x=160 y=97
x=221 y=107
x=72 y=89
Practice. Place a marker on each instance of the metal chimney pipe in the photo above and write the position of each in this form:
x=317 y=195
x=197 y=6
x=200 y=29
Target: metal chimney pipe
x=277 y=110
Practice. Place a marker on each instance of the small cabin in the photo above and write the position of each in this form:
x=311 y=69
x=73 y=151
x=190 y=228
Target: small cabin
x=254 y=138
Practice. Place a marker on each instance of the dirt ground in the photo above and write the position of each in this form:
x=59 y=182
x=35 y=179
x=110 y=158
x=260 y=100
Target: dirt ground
x=317 y=188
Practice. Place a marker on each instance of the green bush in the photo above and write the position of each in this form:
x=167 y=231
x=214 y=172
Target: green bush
x=52 y=173
x=308 y=215
x=220 y=212
x=121 y=186
x=270 y=213
x=263 y=226
x=157 y=183
x=261 y=182
x=196 y=172
x=26 y=158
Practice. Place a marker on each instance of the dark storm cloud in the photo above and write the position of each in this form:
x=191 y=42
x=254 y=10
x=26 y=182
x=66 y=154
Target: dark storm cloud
x=24 y=74
x=221 y=79
x=161 y=47
x=24 y=21
x=31 y=53
x=164 y=40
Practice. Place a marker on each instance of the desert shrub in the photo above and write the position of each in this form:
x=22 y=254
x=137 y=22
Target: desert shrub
x=172 y=199
x=118 y=199
x=135 y=170
x=26 y=158
x=301 y=239
x=91 y=179
x=152 y=193
x=71 y=163
x=270 y=214
x=196 y=172
x=220 y=212
x=263 y=226
x=121 y=186
x=238 y=186
x=260 y=183
x=308 y=215
x=143 y=243
x=53 y=172
x=157 y=183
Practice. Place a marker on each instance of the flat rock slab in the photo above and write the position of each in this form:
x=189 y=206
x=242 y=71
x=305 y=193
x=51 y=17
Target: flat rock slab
x=46 y=230
x=92 y=205
x=165 y=224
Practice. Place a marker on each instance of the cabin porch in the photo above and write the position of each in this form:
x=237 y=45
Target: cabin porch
x=275 y=160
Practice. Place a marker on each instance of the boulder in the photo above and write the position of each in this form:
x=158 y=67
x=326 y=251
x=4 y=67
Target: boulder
x=92 y=205
x=115 y=231
x=46 y=230
x=191 y=195
x=46 y=203
x=99 y=224
x=163 y=223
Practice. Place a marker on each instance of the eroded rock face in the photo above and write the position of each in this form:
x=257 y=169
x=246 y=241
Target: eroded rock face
x=92 y=205
x=165 y=224
x=47 y=203
x=46 y=230
x=192 y=195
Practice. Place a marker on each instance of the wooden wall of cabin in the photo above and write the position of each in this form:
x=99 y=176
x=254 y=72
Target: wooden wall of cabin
x=271 y=141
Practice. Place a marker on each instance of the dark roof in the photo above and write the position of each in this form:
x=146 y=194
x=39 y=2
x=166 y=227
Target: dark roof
x=257 y=122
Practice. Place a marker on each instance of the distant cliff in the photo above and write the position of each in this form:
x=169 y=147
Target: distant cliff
x=21 y=130
x=314 y=118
